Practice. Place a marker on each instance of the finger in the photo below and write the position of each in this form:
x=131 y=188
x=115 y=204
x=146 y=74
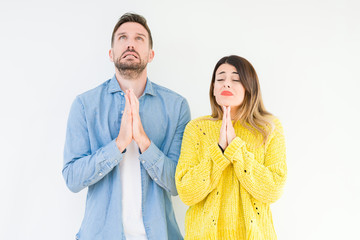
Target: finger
x=224 y=113
x=229 y=114
x=223 y=125
x=133 y=96
x=136 y=101
x=127 y=103
x=133 y=101
x=229 y=123
x=127 y=94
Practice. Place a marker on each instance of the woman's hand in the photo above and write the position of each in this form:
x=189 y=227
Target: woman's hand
x=227 y=131
x=230 y=131
x=223 y=139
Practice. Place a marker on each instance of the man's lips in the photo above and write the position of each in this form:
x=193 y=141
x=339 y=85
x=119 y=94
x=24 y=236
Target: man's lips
x=226 y=93
x=133 y=54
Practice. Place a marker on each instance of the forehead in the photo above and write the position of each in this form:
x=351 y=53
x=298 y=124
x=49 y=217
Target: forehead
x=132 y=28
x=226 y=68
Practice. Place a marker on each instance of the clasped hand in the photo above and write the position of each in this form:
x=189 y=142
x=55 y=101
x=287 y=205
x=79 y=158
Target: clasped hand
x=227 y=131
x=131 y=126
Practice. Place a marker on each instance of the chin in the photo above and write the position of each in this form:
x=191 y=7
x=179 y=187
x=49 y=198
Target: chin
x=224 y=103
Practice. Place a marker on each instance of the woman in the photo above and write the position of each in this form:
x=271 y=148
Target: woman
x=232 y=163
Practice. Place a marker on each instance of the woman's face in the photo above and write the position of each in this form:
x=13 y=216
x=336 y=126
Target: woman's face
x=228 y=90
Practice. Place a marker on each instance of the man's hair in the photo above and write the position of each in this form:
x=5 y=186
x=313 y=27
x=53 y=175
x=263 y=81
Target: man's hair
x=132 y=17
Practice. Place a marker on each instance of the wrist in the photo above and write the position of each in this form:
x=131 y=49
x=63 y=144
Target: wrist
x=120 y=146
x=144 y=144
x=221 y=148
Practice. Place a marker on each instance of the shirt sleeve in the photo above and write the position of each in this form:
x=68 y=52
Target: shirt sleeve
x=83 y=168
x=199 y=171
x=265 y=181
x=160 y=167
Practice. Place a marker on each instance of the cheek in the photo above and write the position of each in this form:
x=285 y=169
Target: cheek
x=242 y=95
x=216 y=89
x=115 y=54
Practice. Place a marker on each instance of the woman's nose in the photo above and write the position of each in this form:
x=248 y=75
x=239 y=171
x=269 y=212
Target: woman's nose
x=226 y=85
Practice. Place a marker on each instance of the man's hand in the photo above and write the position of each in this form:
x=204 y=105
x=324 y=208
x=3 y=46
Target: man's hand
x=138 y=133
x=125 y=134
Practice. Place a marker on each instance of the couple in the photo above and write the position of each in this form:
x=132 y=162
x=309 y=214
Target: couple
x=123 y=143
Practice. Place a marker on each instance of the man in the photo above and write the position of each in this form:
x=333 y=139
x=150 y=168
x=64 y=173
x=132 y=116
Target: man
x=123 y=142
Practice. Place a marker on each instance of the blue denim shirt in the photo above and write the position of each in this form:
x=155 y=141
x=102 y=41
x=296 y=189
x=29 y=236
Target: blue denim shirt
x=91 y=159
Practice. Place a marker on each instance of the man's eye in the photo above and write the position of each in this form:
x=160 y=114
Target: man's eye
x=139 y=38
x=219 y=80
x=122 y=37
x=236 y=80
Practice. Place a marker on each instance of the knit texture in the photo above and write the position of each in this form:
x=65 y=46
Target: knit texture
x=230 y=194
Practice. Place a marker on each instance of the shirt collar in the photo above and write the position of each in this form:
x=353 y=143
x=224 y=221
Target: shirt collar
x=115 y=87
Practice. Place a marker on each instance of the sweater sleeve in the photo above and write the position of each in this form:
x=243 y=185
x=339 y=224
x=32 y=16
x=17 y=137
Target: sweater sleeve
x=264 y=182
x=199 y=170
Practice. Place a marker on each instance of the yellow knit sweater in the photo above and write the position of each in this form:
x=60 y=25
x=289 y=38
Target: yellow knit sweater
x=230 y=194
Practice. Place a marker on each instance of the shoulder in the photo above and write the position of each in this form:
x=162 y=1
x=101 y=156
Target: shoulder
x=201 y=122
x=166 y=92
x=93 y=94
x=277 y=129
x=277 y=126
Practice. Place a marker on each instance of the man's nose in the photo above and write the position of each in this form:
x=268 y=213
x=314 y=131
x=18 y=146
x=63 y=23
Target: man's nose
x=130 y=47
x=130 y=44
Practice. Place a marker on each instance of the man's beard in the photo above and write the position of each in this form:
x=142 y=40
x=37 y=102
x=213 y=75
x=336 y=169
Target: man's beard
x=130 y=70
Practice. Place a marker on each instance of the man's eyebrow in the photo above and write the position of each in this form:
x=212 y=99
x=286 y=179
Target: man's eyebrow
x=143 y=35
x=124 y=33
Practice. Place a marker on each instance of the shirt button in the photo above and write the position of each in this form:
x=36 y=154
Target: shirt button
x=100 y=174
x=143 y=161
x=155 y=179
x=122 y=111
x=122 y=93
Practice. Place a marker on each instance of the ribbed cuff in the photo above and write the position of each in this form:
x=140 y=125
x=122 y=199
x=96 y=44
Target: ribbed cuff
x=217 y=156
x=233 y=147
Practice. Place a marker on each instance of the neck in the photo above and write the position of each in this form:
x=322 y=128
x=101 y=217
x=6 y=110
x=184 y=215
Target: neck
x=137 y=83
x=233 y=112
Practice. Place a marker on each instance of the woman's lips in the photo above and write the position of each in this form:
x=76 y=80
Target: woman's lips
x=226 y=93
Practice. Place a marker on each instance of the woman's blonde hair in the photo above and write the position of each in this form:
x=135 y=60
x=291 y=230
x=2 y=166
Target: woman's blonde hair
x=251 y=113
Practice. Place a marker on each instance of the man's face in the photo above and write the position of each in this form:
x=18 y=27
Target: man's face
x=131 y=49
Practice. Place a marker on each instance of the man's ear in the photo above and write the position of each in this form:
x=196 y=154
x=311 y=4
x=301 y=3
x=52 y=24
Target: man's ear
x=111 y=55
x=151 y=55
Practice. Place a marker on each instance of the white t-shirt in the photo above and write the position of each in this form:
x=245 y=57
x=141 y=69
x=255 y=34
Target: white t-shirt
x=131 y=194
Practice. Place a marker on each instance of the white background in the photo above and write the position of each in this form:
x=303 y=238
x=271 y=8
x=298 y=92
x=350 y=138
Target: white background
x=306 y=54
